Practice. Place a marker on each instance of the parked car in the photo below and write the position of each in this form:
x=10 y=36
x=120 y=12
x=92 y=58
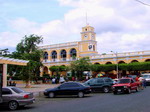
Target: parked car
x=125 y=85
x=100 y=84
x=132 y=76
x=14 y=97
x=146 y=76
x=68 y=88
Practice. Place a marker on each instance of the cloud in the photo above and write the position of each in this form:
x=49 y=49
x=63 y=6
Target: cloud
x=120 y=25
x=8 y=39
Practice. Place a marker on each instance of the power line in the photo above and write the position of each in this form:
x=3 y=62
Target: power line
x=142 y=3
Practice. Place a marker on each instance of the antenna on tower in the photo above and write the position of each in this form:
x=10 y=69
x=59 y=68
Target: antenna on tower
x=86 y=20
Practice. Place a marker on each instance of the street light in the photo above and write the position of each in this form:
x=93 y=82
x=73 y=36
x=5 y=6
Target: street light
x=116 y=63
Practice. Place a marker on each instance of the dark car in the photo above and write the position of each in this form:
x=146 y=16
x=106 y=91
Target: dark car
x=100 y=84
x=14 y=97
x=68 y=88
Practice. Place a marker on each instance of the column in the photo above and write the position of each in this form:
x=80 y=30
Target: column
x=4 y=75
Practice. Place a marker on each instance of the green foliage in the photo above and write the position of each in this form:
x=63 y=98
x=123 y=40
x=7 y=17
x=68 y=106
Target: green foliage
x=58 y=69
x=96 y=67
x=81 y=65
x=109 y=67
x=27 y=49
x=63 y=68
x=137 y=66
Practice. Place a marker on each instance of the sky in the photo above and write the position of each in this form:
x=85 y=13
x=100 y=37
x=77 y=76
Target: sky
x=120 y=25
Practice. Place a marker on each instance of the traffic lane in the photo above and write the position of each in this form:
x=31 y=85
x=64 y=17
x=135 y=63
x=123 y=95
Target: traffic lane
x=134 y=102
x=98 y=102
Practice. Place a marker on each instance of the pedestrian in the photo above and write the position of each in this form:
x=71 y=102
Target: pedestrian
x=61 y=80
x=137 y=78
x=73 y=78
x=144 y=83
x=86 y=78
x=53 y=80
x=141 y=82
x=10 y=81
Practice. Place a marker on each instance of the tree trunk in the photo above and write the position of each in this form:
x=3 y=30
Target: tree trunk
x=28 y=84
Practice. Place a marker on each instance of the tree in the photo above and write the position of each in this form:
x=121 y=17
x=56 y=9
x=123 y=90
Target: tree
x=54 y=69
x=27 y=49
x=58 y=69
x=81 y=65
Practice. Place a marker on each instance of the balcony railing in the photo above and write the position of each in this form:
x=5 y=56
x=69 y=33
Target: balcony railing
x=122 y=54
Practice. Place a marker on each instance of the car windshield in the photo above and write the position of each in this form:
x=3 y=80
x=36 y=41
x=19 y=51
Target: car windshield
x=121 y=81
x=146 y=76
x=89 y=81
x=17 y=90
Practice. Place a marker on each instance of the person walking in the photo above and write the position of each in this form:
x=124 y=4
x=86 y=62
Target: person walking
x=141 y=82
x=144 y=83
x=61 y=80
x=53 y=80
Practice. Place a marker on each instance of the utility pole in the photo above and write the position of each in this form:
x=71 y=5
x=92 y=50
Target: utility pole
x=116 y=54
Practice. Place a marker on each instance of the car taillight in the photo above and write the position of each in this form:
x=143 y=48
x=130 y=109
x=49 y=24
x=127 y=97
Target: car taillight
x=26 y=96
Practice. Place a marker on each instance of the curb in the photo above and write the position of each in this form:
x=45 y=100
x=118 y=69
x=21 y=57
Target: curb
x=38 y=94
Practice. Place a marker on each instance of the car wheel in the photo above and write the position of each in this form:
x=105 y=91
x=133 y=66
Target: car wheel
x=51 y=95
x=137 y=89
x=105 y=89
x=13 y=105
x=80 y=94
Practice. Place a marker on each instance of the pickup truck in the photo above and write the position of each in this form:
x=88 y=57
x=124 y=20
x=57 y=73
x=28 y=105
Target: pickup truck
x=125 y=85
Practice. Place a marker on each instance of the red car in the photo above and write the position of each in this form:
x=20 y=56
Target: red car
x=125 y=85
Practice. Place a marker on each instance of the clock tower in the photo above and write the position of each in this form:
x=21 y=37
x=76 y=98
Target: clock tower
x=88 y=33
x=88 y=43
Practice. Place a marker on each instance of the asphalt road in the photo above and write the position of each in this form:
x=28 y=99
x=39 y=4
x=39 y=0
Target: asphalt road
x=97 y=102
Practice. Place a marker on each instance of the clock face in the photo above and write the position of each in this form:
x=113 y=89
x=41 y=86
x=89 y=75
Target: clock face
x=92 y=36
x=90 y=46
x=85 y=36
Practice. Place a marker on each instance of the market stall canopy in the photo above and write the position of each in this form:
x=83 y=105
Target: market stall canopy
x=6 y=60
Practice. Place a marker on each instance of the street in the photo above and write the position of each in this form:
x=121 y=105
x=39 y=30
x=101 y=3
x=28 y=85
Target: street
x=95 y=102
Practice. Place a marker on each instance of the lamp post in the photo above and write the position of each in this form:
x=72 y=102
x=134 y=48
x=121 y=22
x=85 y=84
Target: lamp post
x=116 y=54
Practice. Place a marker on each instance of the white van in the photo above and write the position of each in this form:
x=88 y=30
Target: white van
x=146 y=76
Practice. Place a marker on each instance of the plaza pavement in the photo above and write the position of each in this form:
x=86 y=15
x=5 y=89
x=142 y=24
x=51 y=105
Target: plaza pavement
x=37 y=89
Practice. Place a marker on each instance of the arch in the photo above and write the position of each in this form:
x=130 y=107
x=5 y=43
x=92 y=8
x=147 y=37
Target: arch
x=73 y=53
x=93 y=47
x=147 y=60
x=54 y=55
x=133 y=61
x=63 y=54
x=45 y=56
x=96 y=63
x=45 y=70
x=108 y=62
x=120 y=62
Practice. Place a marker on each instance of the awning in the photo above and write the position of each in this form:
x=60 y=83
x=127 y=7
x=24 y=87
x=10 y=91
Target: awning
x=6 y=60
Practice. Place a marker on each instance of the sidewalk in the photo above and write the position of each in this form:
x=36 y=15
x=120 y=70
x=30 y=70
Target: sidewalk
x=37 y=89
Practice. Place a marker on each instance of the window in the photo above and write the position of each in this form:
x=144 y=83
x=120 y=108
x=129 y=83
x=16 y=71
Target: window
x=121 y=81
x=69 y=85
x=108 y=80
x=63 y=55
x=100 y=81
x=17 y=90
x=45 y=56
x=73 y=85
x=73 y=53
x=54 y=55
x=6 y=91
